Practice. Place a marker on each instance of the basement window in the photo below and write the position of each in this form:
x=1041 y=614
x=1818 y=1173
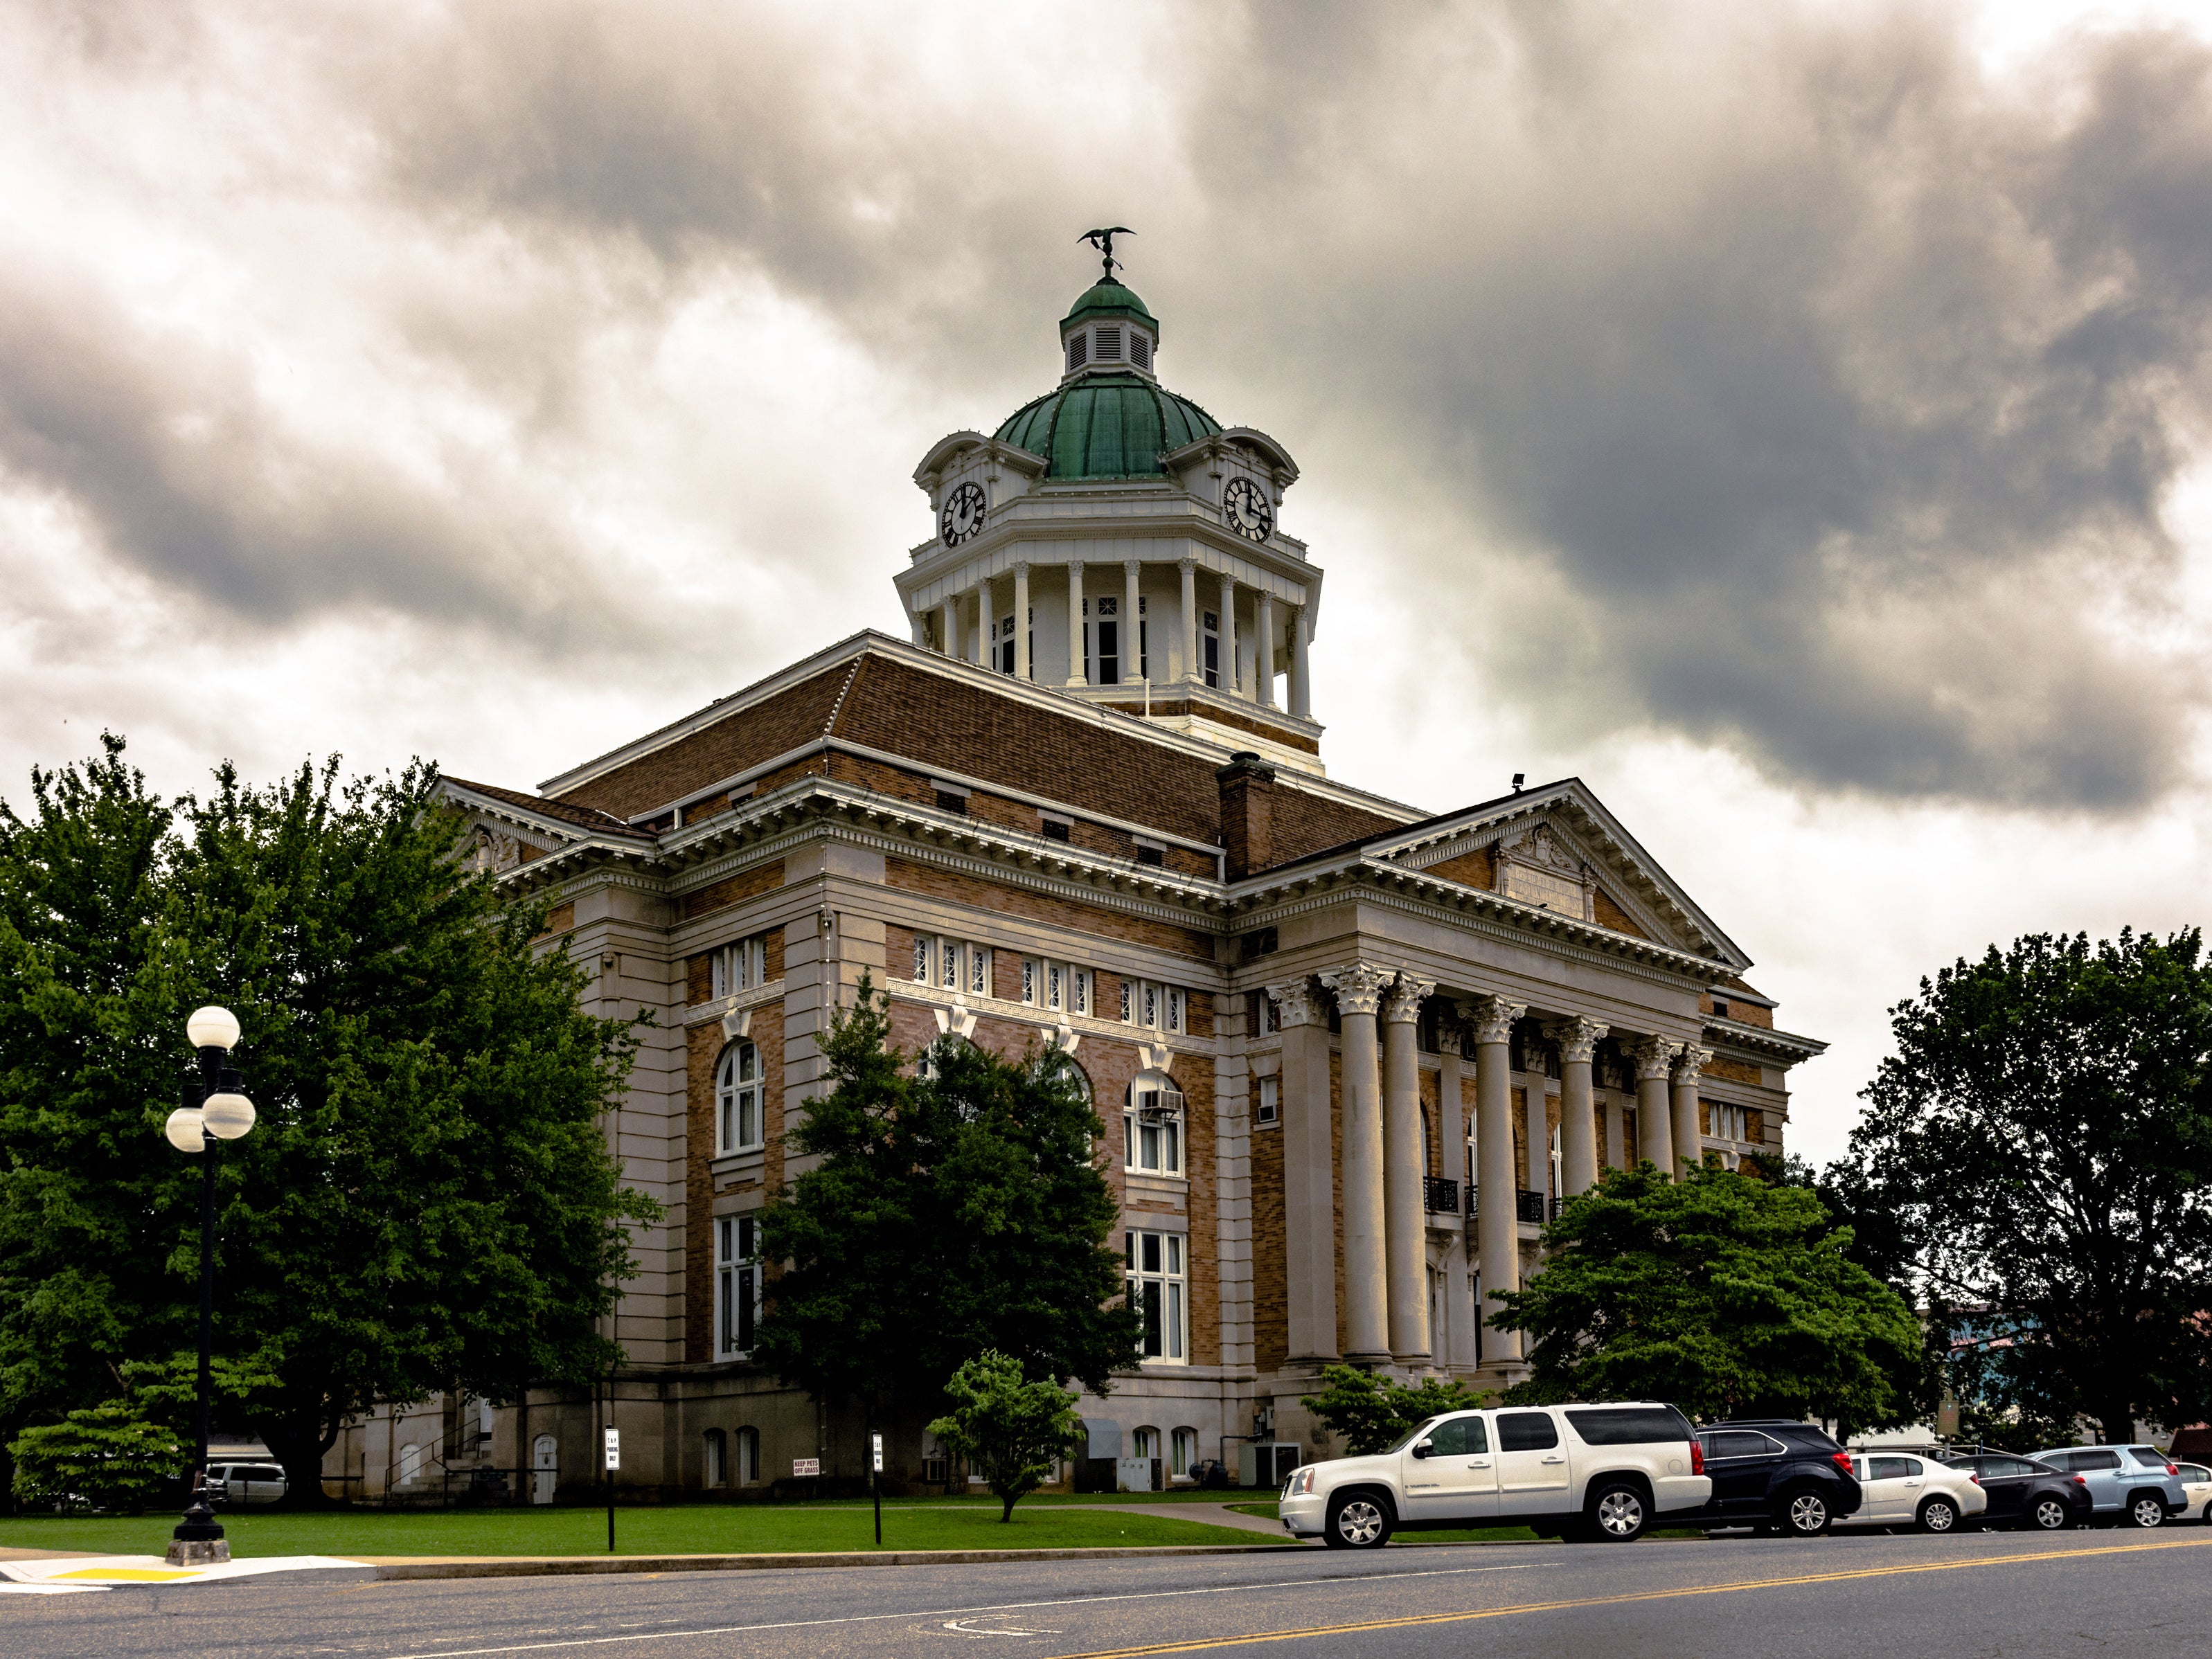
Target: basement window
x=1056 y=829
x=950 y=799
x=1149 y=852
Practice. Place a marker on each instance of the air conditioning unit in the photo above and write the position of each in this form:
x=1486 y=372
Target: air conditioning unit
x=1157 y=1105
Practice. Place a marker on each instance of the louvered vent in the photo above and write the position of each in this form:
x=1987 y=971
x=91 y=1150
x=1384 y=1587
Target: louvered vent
x=1109 y=345
x=1140 y=350
x=1078 y=348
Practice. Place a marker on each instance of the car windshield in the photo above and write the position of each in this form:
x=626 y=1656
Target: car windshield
x=1419 y=1429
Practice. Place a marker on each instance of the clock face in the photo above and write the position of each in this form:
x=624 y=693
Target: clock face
x=962 y=515
x=1244 y=505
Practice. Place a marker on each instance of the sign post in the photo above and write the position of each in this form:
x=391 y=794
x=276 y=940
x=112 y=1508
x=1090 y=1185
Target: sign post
x=614 y=1462
x=876 y=1481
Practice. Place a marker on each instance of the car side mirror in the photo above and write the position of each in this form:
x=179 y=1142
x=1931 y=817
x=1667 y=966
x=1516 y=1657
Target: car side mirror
x=1423 y=1450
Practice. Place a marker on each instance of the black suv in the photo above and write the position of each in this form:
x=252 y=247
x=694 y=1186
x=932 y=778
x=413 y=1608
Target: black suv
x=1775 y=1475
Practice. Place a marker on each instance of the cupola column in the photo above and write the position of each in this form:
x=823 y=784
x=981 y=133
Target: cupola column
x=1133 y=627
x=1192 y=670
x=978 y=645
x=1078 y=671
x=1301 y=637
x=1228 y=633
x=1263 y=648
x=948 y=625
x=1022 y=622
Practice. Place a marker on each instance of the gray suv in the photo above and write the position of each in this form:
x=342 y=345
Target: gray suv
x=2138 y=1485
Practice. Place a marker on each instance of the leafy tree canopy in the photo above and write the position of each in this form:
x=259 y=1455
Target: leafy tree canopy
x=107 y=1457
x=1373 y=1413
x=1008 y=1430
x=1723 y=1293
x=950 y=1214
x=2042 y=1137
x=427 y=1201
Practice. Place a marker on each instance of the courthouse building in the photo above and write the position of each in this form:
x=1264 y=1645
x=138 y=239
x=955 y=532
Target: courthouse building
x=1349 y=1052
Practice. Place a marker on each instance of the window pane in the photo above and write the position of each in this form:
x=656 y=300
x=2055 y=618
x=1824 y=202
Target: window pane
x=1526 y=1431
x=745 y=1225
x=1175 y=1321
x=978 y=969
x=1055 y=987
x=1151 y=1322
x=1151 y=1005
x=1175 y=1253
x=728 y=1321
x=1148 y=1157
x=951 y=979
x=921 y=957
x=1028 y=980
x=748 y=1289
x=1078 y=988
x=1127 y=1012
x=1171 y=1149
x=748 y=1063
x=1151 y=1243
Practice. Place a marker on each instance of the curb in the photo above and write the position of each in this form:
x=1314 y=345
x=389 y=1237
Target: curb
x=535 y=1567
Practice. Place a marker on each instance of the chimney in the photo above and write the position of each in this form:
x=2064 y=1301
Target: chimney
x=1247 y=813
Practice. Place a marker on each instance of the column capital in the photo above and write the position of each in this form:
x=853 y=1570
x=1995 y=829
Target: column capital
x=1653 y=1056
x=1405 y=996
x=1577 y=1038
x=1358 y=987
x=1493 y=1017
x=1689 y=1060
x=1189 y=562
x=1296 y=1003
x=1133 y=565
x=1021 y=567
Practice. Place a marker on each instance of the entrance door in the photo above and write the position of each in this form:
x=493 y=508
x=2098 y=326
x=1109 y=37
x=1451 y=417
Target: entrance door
x=1532 y=1464
x=1449 y=1473
x=545 y=1468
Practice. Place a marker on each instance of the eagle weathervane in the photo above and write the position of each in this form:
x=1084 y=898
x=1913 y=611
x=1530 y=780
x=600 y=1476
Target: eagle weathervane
x=1103 y=241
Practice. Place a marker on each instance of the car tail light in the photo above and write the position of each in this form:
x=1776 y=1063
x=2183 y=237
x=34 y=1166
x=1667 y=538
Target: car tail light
x=1696 y=1458
x=1976 y=1479
x=1842 y=1460
x=2171 y=1470
x=2081 y=1479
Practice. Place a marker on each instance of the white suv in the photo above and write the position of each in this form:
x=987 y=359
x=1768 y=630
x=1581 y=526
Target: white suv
x=1588 y=1472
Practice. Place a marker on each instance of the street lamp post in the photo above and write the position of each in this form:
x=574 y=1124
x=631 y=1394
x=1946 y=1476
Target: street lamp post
x=214 y=1109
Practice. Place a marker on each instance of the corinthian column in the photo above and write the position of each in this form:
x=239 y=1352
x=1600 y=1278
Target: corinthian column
x=1577 y=1039
x=1492 y=1019
x=1457 y=1338
x=1689 y=1133
x=1405 y=1217
x=1653 y=1056
x=1366 y=1277
x=1308 y=1174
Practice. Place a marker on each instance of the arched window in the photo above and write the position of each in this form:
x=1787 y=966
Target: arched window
x=1144 y=1442
x=717 y=1469
x=1182 y=1452
x=1151 y=1125
x=410 y=1464
x=749 y=1457
x=741 y=1120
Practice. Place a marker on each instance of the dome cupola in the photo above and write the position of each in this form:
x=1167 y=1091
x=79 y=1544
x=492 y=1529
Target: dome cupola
x=1108 y=329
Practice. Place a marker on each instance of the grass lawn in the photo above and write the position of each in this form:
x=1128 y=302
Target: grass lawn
x=677 y=1530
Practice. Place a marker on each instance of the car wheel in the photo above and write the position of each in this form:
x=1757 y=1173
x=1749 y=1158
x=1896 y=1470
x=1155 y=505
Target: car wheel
x=1806 y=1515
x=1357 y=1522
x=1617 y=1514
x=1939 y=1515
x=2049 y=1515
x=2146 y=1509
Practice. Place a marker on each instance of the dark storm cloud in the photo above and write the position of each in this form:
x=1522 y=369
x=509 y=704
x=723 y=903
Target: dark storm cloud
x=1780 y=379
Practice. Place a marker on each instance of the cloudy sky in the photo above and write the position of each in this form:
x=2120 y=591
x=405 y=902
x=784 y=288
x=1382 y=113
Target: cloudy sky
x=1792 y=419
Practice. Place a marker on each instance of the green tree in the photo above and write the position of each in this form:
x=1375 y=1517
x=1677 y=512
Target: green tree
x=2042 y=1135
x=952 y=1214
x=1007 y=1429
x=108 y=1456
x=1373 y=1413
x=428 y=1200
x=1723 y=1293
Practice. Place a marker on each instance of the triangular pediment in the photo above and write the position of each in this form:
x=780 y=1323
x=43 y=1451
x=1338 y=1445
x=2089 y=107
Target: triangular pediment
x=1559 y=847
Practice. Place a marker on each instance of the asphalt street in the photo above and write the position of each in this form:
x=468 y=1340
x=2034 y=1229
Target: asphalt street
x=2018 y=1596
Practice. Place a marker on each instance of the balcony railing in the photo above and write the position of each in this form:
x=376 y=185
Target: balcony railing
x=1528 y=1206
x=1441 y=1194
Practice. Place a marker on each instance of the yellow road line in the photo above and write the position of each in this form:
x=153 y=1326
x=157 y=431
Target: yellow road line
x=1199 y=1644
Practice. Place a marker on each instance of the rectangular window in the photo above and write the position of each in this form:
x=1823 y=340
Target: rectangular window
x=1056 y=829
x=740 y=967
x=1158 y=1282
x=1078 y=991
x=1156 y=1007
x=950 y=800
x=738 y=1285
x=1270 y=1107
x=1143 y=641
x=1128 y=1002
x=1212 y=647
x=1029 y=981
x=924 y=955
x=1106 y=650
x=979 y=970
x=1152 y=1132
x=952 y=964
x=1002 y=635
x=1061 y=986
x=740 y=1118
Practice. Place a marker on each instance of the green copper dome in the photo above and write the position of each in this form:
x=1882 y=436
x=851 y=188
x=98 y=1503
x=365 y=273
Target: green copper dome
x=1106 y=426
x=1110 y=299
